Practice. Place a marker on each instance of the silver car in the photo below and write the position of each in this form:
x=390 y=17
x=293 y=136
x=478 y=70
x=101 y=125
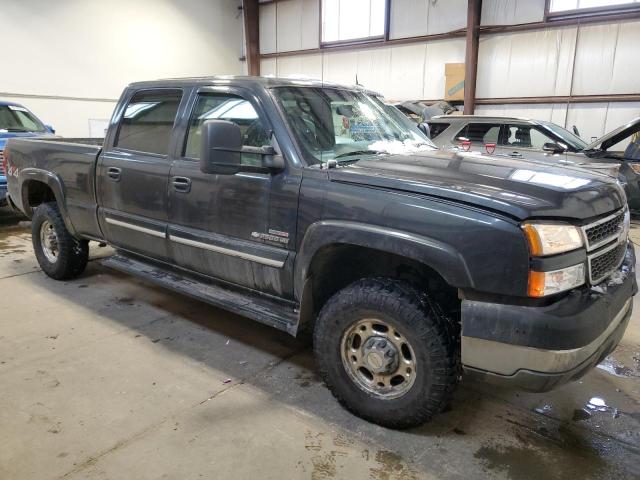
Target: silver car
x=617 y=153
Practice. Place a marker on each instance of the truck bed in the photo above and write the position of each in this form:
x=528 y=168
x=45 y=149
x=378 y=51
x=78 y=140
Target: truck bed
x=68 y=164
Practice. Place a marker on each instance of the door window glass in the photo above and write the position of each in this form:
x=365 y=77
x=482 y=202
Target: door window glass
x=437 y=128
x=526 y=136
x=233 y=109
x=481 y=132
x=148 y=120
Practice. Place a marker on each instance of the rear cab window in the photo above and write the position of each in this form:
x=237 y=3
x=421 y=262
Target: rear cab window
x=147 y=122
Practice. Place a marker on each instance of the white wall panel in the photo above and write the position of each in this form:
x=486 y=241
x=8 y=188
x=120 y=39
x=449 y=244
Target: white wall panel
x=309 y=66
x=373 y=69
x=408 y=18
x=536 y=63
x=607 y=59
x=298 y=24
x=550 y=112
x=406 y=72
x=590 y=118
x=267 y=27
x=439 y=53
x=93 y=49
x=619 y=113
x=340 y=67
x=446 y=16
x=268 y=67
x=511 y=12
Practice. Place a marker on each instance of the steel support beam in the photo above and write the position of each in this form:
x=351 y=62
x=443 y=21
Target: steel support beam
x=474 y=7
x=252 y=36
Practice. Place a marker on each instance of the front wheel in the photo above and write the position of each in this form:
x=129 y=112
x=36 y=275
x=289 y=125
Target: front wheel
x=60 y=255
x=387 y=353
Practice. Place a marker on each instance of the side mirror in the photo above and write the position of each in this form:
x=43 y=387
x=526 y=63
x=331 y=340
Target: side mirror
x=50 y=128
x=221 y=147
x=424 y=127
x=553 y=148
x=271 y=159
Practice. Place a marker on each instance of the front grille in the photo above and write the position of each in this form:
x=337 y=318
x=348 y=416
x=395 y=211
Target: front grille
x=603 y=231
x=602 y=264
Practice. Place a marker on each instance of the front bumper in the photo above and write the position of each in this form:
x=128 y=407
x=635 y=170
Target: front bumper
x=539 y=348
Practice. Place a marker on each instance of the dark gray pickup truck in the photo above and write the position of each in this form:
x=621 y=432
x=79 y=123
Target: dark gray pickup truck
x=316 y=209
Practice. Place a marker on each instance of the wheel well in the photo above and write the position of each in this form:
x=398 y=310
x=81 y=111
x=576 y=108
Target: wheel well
x=336 y=266
x=37 y=193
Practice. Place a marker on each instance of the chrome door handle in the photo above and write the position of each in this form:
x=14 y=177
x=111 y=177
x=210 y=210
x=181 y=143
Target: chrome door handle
x=181 y=184
x=114 y=173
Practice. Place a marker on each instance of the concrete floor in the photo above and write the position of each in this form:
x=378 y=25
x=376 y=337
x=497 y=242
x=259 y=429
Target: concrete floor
x=106 y=377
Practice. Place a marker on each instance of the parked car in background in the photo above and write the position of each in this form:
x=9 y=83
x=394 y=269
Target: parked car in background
x=620 y=146
x=524 y=138
x=16 y=121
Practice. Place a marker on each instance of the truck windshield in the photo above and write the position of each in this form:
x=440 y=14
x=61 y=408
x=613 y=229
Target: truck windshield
x=344 y=125
x=14 y=118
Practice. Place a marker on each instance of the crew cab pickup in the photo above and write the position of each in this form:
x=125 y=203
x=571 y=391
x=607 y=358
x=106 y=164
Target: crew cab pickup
x=315 y=209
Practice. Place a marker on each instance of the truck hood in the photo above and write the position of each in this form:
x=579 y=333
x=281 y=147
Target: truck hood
x=519 y=188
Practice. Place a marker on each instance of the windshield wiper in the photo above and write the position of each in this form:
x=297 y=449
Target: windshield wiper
x=358 y=152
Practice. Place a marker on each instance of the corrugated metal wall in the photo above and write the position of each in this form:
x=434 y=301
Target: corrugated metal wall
x=592 y=59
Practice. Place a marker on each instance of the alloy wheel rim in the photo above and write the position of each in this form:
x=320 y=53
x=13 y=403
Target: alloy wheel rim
x=378 y=358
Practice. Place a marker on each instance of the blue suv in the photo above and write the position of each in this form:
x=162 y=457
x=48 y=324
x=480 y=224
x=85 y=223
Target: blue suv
x=16 y=121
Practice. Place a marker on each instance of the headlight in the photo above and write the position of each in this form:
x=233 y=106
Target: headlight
x=551 y=238
x=547 y=283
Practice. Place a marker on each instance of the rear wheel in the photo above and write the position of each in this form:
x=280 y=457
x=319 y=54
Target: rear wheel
x=386 y=352
x=59 y=254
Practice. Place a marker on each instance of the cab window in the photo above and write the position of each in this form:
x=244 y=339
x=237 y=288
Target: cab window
x=480 y=133
x=525 y=136
x=436 y=128
x=233 y=109
x=148 y=121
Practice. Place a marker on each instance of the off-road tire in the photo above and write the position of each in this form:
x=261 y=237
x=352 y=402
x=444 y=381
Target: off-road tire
x=72 y=255
x=430 y=333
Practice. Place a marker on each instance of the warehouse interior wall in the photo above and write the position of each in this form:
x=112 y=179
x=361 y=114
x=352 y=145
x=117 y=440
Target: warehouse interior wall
x=589 y=59
x=107 y=45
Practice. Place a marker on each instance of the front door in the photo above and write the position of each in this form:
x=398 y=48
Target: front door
x=238 y=228
x=526 y=141
x=133 y=174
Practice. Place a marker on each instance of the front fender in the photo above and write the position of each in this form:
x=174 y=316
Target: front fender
x=53 y=182
x=441 y=257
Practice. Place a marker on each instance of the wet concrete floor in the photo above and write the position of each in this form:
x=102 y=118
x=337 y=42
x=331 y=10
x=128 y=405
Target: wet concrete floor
x=106 y=376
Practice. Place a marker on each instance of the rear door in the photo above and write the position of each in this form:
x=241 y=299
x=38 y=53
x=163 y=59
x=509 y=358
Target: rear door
x=238 y=228
x=133 y=173
x=479 y=134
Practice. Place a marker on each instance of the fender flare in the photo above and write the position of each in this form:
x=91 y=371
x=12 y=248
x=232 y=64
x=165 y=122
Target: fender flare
x=54 y=183
x=444 y=259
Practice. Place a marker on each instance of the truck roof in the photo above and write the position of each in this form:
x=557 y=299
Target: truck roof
x=240 y=80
